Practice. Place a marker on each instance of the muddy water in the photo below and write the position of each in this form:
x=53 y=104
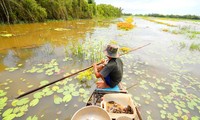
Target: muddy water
x=165 y=78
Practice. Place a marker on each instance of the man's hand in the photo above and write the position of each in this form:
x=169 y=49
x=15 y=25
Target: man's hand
x=94 y=65
x=103 y=61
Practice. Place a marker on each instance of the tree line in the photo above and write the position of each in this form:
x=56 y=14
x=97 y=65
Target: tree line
x=16 y=11
x=194 y=17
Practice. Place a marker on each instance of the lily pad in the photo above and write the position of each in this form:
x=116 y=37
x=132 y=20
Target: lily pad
x=32 y=118
x=10 y=117
x=48 y=93
x=7 y=112
x=6 y=35
x=20 y=114
x=61 y=29
x=24 y=108
x=67 y=98
x=55 y=88
x=2 y=93
x=38 y=95
x=34 y=102
x=75 y=93
x=44 y=82
x=23 y=101
x=14 y=102
x=81 y=90
x=57 y=99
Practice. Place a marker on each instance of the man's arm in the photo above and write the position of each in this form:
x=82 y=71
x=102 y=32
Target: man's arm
x=97 y=69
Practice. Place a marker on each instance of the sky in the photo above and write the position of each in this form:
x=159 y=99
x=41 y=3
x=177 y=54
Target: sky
x=166 y=7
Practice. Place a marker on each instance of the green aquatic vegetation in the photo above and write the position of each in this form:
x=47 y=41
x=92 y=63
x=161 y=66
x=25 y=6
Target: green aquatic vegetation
x=137 y=98
x=187 y=30
x=49 y=68
x=67 y=59
x=88 y=50
x=75 y=93
x=3 y=100
x=61 y=29
x=71 y=90
x=195 y=118
x=22 y=101
x=32 y=118
x=139 y=72
x=55 y=88
x=195 y=46
x=11 y=69
x=57 y=99
x=84 y=95
x=2 y=93
x=34 y=102
x=113 y=42
x=81 y=90
x=6 y=35
x=124 y=49
x=20 y=108
x=67 y=98
x=163 y=114
x=38 y=95
x=47 y=91
x=182 y=45
x=44 y=82
x=85 y=76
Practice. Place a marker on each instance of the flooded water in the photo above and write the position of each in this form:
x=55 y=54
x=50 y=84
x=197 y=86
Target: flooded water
x=164 y=75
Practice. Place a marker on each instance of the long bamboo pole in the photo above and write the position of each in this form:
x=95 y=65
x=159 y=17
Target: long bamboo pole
x=31 y=91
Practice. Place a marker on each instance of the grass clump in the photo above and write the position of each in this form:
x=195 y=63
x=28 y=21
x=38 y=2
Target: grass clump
x=88 y=50
x=195 y=46
x=182 y=45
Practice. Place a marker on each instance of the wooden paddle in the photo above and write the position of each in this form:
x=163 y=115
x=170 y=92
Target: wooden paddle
x=31 y=91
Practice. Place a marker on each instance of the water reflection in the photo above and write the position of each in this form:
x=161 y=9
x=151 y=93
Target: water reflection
x=10 y=59
x=157 y=69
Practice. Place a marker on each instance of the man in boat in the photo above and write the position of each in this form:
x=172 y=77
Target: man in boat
x=111 y=70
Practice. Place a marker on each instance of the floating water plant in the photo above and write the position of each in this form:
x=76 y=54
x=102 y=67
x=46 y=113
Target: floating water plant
x=49 y=68
x=11 y=69
x=32 y=118
x=125 y=49
x=189 y=31
x=86 y=75
x=6 y=35
x=3 y=100
x=67 y=98
x=20 y=107
x=34 y=102
x=165 y=30
x=57 y=99
x=61 y=29
x=125 y=25
x=129 y=19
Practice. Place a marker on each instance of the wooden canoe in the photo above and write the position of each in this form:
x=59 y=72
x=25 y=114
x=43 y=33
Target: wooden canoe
x=114 y=94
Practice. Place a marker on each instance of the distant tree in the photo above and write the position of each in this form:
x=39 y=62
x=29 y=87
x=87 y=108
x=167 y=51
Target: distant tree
x=176 y=16
x=15 y=11
x=90 y=1
x=105 y=10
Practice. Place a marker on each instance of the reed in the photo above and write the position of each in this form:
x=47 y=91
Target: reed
x=88 y=50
